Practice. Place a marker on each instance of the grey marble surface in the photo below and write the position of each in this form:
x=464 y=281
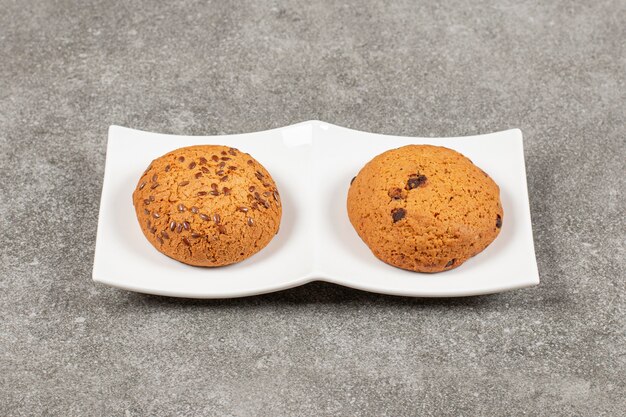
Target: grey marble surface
x=68 y=70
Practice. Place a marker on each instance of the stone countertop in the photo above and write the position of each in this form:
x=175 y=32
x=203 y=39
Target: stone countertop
x=73 y=348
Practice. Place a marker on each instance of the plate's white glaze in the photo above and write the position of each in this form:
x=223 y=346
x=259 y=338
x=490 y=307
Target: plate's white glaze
x=312 y=163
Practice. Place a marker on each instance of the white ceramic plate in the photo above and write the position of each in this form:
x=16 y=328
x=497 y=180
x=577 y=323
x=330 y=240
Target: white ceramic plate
x=312 y=164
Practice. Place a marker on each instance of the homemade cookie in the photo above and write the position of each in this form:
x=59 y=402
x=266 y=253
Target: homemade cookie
x=207 y=205
x=424 y=208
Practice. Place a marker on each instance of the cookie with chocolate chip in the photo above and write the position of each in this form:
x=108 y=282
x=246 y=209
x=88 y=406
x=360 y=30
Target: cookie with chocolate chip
x=424 y=208
x=207 y=205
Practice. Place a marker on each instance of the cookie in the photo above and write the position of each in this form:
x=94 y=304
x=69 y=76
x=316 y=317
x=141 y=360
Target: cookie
x=207 y=205
x=424 y=208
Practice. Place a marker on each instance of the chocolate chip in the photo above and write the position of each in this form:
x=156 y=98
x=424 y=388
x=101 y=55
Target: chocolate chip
x=259 y=175
x=203 y=160
x=266 y=194
x=153 y=230
x=395 y=193
x=223 y=152
x=217 y=218
x=276 y=196
x=165 y=235
x=205 y=170
x=214 y=192
x=352 y=180
x=186 y=241
x=415 y=181
x=498 y=221
x=250 y=162
x=179 y=228
x=156 y=215
x=198 y=175
x=232 y=167
x=251 y=188
x=194 y=210
x=167 y=168
x=146 y=201
x=160 y=240
x=186 y=225
x=192 y=165
x=398 y=214
x=155 y=177
x=250 y=221
x=243 y=209
x=181 y=158
x=450 y=262
x=232 y=151
x=143 y=184
x=204 y=217
x=226 y=191
x=183 y=183
x=155 y=185
x=221 y=229
x=146 y=211
x=222 y=164
x=215 y=158
x=225 y=158
x=219 y=172
x=151 y=198
x=224 y=178
x=201 y=193
x=172 y=226
x=196 y=235
x=181 y=207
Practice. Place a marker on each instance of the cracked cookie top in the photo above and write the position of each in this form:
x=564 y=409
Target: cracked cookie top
x=207 y=205
x=424 y=208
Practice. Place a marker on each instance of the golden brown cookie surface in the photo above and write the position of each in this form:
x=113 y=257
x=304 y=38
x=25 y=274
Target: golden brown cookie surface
x=207 y=205
x=424 y=208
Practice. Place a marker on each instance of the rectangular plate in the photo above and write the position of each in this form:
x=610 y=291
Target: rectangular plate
x=312 y=164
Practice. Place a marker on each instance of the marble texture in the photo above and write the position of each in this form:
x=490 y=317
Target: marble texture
x=68 y=70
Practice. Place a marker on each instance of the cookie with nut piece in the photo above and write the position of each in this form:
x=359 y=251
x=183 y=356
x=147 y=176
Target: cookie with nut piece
x=207 y=205
x=424 y=208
